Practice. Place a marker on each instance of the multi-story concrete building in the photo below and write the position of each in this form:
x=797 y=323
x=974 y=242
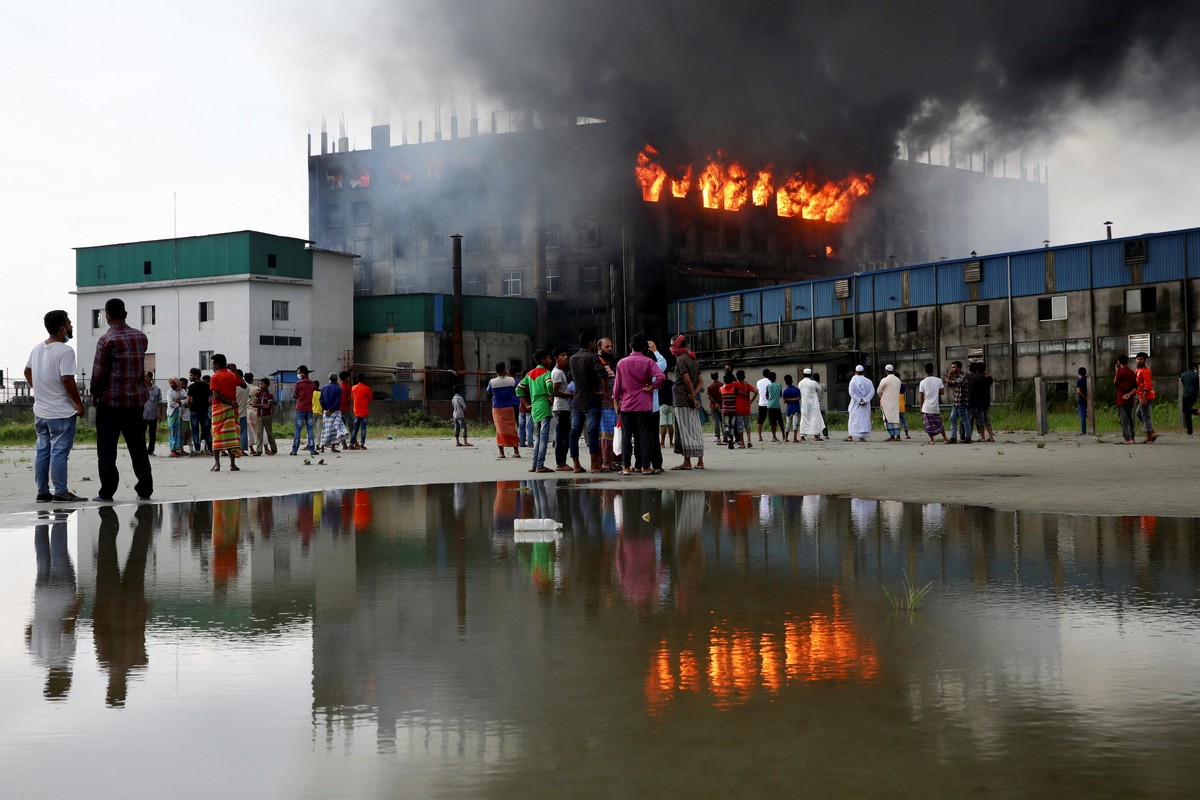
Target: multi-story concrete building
x=1043 y=312
x=267 y=302
x=558 y=214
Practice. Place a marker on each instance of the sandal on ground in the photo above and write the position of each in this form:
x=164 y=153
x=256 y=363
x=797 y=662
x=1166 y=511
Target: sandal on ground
x=680 y=467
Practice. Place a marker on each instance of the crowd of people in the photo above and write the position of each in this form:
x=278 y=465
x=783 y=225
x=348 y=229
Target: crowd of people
x=625 y=408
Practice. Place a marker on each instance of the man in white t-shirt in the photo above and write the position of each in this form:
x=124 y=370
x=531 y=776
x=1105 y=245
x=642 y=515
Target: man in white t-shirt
x=930 y=393
x=762 y=385
x=50 y=373
x=562 y=409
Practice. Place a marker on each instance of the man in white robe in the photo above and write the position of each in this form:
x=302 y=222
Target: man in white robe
x=861 y=392
x=889 y=403
x=811 y=422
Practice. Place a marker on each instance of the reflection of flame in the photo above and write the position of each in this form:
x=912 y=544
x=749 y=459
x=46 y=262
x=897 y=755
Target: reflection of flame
x=734 y=662
x=726 y=184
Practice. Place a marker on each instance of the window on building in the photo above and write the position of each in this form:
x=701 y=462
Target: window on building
x=439 y=283
x=975 y=316
x=96 y=318
x=272 y=261
x=147 y=267
x=362 y=213
x=710 y=237
x=589 y=234
x=550 y=238
x=737 y=338
x=589 y=279
x=474 y=242
x=787 y=333
x=1141 y=301
x=148 y=315
x=1052 y=308
x=205 y=359
x=733 y=238
x=400 y=248
x=476 y=283
x=207 y=311
x=512 y=237
x=404 y=283
x=512 y=283
x=843 y=328
x=552 y=281
x=437 y=245
x=279 y=310
x=335 y=216
x=906 y=321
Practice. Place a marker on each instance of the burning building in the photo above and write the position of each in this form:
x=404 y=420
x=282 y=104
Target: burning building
x=603 y=229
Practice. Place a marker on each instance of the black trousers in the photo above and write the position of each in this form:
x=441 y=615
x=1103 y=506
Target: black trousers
x=562 y=437
x=113 y=424
x=640 y=432
x=151 y=434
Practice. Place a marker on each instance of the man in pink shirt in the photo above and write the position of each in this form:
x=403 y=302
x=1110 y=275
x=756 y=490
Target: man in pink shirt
x=637 y=376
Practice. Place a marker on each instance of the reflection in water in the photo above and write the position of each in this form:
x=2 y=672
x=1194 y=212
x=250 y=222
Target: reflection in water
x=429 y=632
x=50 y=634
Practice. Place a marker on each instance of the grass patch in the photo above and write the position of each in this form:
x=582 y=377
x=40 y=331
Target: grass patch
x=909 y=596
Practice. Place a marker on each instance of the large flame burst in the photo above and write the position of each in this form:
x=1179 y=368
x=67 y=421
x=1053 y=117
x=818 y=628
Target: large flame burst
x=726 y=184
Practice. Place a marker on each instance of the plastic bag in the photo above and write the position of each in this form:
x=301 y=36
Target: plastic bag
x=618 y=438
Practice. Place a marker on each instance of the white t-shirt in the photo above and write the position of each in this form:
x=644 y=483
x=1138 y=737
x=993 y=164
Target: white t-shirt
x=932 y=387
x=560 y=403
x=49 y=362
x=762 y=390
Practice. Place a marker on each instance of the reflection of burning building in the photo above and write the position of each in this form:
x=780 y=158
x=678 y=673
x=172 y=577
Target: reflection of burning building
x=565 y=214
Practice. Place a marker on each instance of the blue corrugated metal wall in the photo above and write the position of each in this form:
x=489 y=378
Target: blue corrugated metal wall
x=1164 y=259
x=1170 y=257
x=1108 y=265
x=1029 y=273
x=1071 y=269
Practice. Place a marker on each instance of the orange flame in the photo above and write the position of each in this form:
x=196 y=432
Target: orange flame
x=727 y=185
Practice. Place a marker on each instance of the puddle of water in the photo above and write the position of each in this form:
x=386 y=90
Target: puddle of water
x=406 y=642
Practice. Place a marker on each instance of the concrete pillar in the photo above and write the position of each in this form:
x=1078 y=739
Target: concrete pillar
x=1043 y=417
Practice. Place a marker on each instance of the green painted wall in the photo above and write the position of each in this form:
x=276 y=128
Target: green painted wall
x=430 y=312
x=245 y=252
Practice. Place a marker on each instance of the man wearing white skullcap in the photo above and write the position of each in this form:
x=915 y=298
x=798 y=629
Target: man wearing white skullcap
x=811 y=422
x=889 y=403
x=861 y=392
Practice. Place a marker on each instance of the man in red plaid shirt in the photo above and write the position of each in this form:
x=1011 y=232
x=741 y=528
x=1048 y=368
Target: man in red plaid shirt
x=119 y=393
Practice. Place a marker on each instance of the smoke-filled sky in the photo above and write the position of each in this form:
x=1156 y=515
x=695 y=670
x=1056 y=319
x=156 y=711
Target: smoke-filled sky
x=128 y=120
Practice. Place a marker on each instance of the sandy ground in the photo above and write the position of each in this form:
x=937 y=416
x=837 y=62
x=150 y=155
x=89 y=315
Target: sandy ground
x=1068 y=473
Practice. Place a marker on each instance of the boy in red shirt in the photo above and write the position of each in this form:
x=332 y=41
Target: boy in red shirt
x=361 y=398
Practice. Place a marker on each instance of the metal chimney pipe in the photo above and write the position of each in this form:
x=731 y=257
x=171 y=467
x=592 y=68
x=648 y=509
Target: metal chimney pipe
x=456 y=269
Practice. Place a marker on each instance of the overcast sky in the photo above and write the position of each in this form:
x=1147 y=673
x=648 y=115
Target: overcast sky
x=124 y=121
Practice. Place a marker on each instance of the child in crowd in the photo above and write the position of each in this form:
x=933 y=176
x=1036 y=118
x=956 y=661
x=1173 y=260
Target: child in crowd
x=791 y=400
x=666 y=415
x=458 y=412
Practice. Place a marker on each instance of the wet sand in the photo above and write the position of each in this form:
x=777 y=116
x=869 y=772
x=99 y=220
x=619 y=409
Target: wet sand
x=1069 y=474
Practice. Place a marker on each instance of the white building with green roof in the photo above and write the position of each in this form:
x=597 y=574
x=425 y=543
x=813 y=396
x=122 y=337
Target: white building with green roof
x=267 y=302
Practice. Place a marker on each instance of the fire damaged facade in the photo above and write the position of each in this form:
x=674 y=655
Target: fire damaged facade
x=560 y=212
x=1044 y=312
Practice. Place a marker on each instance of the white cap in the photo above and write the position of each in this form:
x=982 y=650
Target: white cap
x=859 y=368
x=807 y=371
x=887 y=367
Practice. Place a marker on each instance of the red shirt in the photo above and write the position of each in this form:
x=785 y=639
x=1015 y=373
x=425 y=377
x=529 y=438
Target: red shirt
x=345 y=405
x=743 y=398
x=303 y=394
x=226 y=382
x=714 y=394
x=1126 y=382
x=1145 y=385
x=361 y=394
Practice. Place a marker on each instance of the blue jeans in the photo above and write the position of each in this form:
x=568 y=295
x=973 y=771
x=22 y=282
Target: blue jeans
x=590 y=417
x=54 y=440
x=245 y=433
x=524 y=428
x=959 y=419
x=1083 y=416
x=303 y=422
x=359 y=434
x=541 y=441
x=201 y=429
